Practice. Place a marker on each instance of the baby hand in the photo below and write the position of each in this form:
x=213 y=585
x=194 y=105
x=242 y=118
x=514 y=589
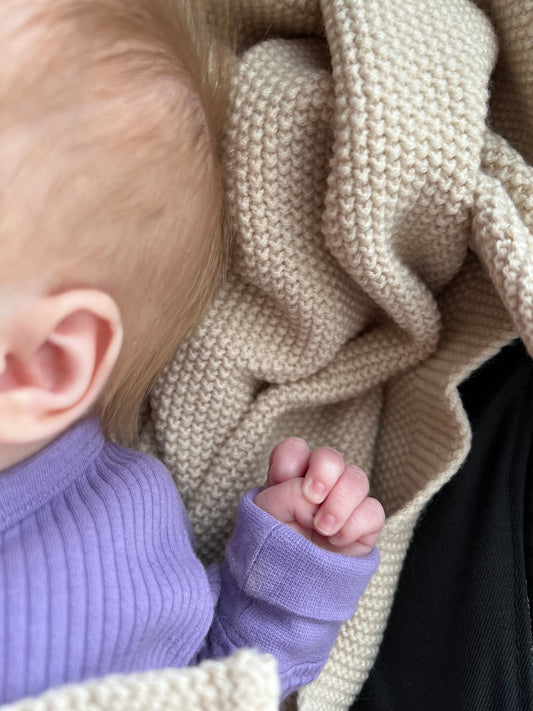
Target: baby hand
x=322 y=498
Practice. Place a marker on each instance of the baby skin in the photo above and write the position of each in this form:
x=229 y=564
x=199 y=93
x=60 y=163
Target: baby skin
x=322 y=498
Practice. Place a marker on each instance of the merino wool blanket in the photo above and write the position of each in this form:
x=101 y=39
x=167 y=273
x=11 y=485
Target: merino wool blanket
x=378 y=167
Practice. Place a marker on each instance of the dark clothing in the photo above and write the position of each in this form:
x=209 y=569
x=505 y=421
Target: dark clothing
x=459 y=635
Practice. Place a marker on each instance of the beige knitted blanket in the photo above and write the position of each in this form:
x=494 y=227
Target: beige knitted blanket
x=383 y=250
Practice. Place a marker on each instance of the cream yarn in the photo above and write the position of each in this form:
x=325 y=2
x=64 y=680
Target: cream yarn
x=362 y=178
x=244 y=682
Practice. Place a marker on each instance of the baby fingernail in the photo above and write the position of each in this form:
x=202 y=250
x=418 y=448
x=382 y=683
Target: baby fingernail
x=317 y=489
x=326 y=522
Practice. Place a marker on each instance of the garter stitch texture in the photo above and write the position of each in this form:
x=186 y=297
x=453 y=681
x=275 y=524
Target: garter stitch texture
x=244 y=682
x=381 y=196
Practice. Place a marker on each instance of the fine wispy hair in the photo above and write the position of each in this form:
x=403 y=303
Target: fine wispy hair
x=115 y=111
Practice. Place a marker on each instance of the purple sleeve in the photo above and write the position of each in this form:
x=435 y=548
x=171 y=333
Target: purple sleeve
x=283 y=595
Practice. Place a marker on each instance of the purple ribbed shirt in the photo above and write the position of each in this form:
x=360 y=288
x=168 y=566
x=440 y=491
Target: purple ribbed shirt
x=98 y=575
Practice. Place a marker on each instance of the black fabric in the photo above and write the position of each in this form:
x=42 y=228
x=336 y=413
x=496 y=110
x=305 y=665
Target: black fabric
x=459 y=635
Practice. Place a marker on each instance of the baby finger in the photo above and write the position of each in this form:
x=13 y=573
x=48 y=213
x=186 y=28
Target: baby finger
x=363 y=526
x=326 y=466
x=346 y=495
x=288 y=460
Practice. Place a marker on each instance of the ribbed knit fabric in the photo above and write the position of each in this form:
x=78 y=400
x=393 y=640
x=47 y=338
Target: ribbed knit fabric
x=98 y=575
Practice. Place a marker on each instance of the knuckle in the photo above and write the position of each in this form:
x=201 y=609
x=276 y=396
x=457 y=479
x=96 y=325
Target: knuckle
x=375 y=511
x=288 y=459
x=327 y=461
x=342 y=499
x=332 y=451
x=358 y=478
x=291 y=446
x=296 y=442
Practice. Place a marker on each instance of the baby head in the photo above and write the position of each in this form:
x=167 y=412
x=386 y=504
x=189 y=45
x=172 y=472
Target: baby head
x=111 y=234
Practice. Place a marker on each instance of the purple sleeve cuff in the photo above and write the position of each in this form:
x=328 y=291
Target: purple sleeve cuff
x=272 y=562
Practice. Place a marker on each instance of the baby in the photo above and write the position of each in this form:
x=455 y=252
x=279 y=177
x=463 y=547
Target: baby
x=111 y=213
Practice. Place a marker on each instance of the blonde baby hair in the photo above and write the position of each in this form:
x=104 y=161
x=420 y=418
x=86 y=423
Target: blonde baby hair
x=113 y=111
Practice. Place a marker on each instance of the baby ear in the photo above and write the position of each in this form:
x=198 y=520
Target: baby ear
x=57 y=354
